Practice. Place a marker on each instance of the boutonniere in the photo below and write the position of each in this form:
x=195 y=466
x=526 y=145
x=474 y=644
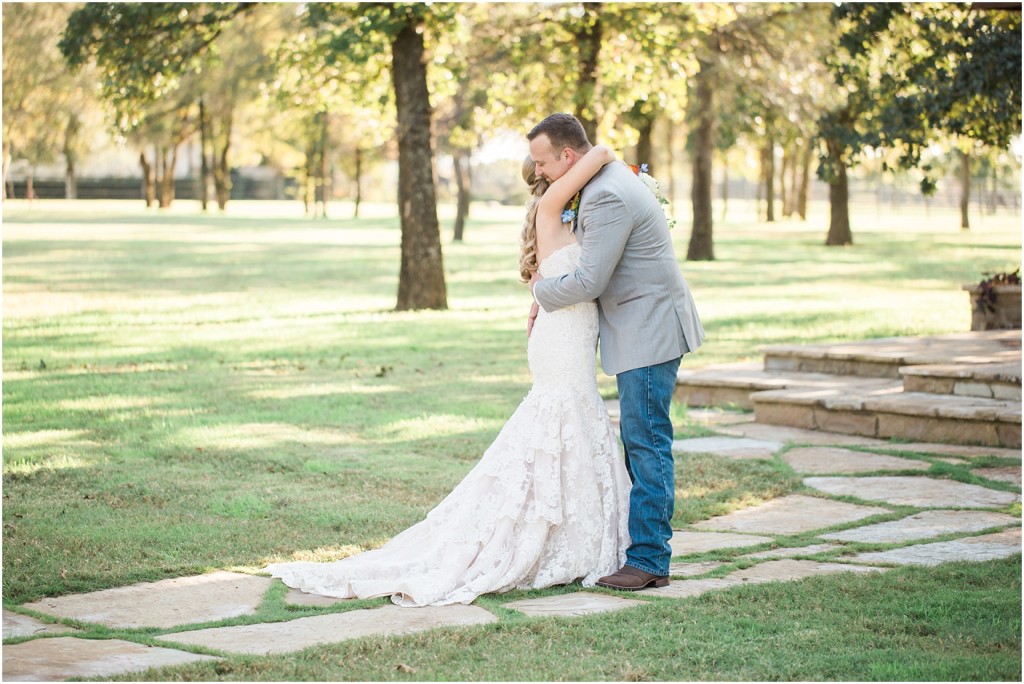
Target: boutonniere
x=652 y=185
x=569 y=215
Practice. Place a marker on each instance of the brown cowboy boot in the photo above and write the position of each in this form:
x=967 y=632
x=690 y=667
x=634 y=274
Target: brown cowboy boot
x=629 y=578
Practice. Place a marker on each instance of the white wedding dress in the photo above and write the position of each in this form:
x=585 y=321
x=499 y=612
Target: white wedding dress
x=547 y=504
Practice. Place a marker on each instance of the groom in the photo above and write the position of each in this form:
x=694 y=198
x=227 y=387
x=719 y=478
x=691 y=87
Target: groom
x=648 y=320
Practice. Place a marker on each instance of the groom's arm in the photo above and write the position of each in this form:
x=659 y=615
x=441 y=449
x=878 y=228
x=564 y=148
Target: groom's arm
x=607 y=230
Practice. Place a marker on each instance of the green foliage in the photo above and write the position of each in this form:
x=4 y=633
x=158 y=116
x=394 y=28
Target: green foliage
x=143 y=50
x=47 y=110
x=913 y=72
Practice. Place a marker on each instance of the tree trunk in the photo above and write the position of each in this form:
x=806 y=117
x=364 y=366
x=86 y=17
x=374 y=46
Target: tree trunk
x=204 y=161
x=169 y=161
x=464 y=182
x=588 y=38
x=965 y=189
x=8 y=183
x=768 y=174
x=359 y=180
x=805 y=179
x=309 y=179
x=221 y=166
x=30 y=190
x=725 y=187
x=839 y=198
x=670 y=168
x=148 y=182
x=645 y=144
x=701 y=244
x=325 y=163
x=421 y=276
x=70 y=179
x=71 y=157
x=785 y=191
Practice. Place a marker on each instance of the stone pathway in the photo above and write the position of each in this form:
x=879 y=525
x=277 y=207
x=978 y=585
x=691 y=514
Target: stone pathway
x=772 y=571
x=947 y=508
x=17 y=625
x=828 y=460
x=168 y=603
x=986 y=547
x=914 y=491
x=791 y=514
x=66 y=657
x=294 y=635
x=572 y=605
x=729 y=447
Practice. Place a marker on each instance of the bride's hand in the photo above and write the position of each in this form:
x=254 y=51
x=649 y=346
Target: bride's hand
x=535 y=307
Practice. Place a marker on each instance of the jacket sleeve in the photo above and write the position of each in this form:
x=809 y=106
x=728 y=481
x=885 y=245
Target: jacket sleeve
x=606 y=229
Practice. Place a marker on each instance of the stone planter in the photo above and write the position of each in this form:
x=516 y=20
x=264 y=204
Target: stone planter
x=1002 y=313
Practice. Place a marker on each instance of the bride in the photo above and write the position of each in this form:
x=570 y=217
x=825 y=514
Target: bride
x=548 y=502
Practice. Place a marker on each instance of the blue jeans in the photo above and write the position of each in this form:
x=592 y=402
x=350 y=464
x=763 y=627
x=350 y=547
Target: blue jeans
x=644 y=398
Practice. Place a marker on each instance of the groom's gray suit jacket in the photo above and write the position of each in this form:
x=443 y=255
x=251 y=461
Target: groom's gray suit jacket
x=647 y=314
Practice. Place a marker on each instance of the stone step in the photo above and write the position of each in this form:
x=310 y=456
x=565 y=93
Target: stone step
x=732 y=384
x=987 y=380
x=882 y=358
x=892 y=413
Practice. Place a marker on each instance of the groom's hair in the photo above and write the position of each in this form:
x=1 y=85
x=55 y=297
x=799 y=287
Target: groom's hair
x=563 y=130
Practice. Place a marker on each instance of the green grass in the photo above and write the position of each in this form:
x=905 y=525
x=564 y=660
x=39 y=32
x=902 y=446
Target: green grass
x=186 y=392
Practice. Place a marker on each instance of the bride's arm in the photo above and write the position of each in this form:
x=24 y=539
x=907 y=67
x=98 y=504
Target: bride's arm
x=572 y=181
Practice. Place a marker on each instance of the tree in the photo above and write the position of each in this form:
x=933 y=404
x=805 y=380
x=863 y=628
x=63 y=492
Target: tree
x=740 y=50
x=149 y=57
x=314 y=95
x=910 y=73
x=241 y=58
x=143 y=50
x=48 y=112
x=356 y=32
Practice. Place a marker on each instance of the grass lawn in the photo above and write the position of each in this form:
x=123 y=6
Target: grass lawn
x=185 y=392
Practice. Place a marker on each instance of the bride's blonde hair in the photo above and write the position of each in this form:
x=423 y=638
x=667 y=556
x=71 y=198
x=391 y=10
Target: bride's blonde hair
x=528 y=251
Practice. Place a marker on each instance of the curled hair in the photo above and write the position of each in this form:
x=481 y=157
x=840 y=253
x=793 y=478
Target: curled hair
x=528 y=240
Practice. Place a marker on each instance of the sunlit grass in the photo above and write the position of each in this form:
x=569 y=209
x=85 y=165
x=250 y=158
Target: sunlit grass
x=185 y=392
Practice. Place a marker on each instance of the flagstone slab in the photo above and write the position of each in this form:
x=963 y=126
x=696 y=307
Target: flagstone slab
x=828 y=460
x=571 y=605
x=730 y=447
x=791 y=514
x=685 y=542
x=967 y=450
x=985 y=547
x=688 y=588
x=18 y=625
x=1001 y=473
x=789 y=569
x=61 y=658
x=783 y=433
x=924 y=525
x=690 y=569
x=794 y=551
x=294 y=635
x=167 y=603
x=297 y=597
x=717 y=416
x=913 y=491
x=772 y=571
